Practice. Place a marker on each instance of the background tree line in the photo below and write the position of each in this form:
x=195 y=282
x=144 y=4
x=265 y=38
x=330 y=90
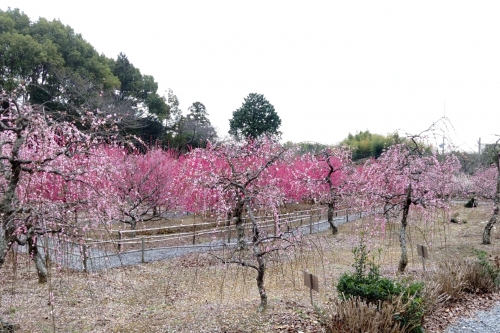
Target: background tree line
x=65 y=74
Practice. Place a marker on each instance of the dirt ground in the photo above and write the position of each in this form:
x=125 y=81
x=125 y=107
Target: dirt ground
x=197 y=293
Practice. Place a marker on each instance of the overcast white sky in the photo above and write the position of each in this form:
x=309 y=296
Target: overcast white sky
x=328 y=67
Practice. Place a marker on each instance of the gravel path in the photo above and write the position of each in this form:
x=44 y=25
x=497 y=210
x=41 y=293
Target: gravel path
x=483 y=322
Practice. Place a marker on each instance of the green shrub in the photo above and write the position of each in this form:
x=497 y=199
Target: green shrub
x=372 y=288
x=369 y=289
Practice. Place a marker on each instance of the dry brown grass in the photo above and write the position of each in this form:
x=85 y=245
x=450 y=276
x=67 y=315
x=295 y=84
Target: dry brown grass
x=355 y=315
x=196 y=293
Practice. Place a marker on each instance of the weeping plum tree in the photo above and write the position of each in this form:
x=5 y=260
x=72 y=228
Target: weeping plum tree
x=402 y=178
x=234 y=174
x=333 y=171
x=240 y=176
x=323 y=178
x=490 y=179
x=42 y=162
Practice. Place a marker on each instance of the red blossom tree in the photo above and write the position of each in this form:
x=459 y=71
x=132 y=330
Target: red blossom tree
x=140 y=185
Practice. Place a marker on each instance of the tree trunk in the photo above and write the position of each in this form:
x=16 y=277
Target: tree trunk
x=39 y=261
x=494 y=217
x=489 y=226
x=261 y=271
x=260 y=283
x=9 y=198
x=240 y=226
x=133 y=226
x=331 y=209
x=402 y=233
x=3 y=244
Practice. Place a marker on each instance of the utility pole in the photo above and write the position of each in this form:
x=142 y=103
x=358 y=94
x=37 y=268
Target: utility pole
x=479 y=153
x=444 y=115
x=442 y=146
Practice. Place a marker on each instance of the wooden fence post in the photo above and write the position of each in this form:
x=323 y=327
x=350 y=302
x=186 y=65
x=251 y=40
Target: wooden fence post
x=275 y=224
x=142 y=248
x=119 y=241
x=194 y=234
x=311 y=224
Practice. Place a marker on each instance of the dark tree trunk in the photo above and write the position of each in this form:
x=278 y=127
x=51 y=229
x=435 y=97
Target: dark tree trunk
x=240 y=225
x=489 y=226
x=260 y=283
x=3 y=244
x=9 y=199
x=41 y=268
x=331 y=210
x=261 y=271
x=496 y=203
x=402 y=233
x=133 y=226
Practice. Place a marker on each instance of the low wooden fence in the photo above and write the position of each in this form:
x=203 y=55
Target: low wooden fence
x=209 y=234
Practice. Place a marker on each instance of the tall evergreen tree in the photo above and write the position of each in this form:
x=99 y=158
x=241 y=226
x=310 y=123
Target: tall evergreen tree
x=254 y=118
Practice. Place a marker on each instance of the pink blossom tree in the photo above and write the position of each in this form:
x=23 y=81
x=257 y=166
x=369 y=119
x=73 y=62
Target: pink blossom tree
x=42 y=161
x=489 y=186
x=483 y=183
x=322 y=178
x=295 y=176
x=240 y=176
x=142 y=184
x=405 y=178
x=334 y=168
x=231 y=174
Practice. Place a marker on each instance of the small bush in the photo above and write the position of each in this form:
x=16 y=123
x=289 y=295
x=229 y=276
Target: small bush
x=485 y=274
x=370 y=290
x=433 y=295
x=382 y=292
x=356 y=315
x=455 y=277
x=451 y=277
